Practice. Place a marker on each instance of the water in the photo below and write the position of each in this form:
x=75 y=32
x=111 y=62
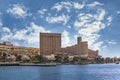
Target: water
x=62 y=72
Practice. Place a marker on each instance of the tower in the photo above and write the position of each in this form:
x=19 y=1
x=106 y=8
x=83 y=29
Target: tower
x=79 y=39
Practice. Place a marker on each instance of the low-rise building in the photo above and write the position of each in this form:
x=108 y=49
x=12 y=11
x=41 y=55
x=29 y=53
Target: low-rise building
x=8 y=48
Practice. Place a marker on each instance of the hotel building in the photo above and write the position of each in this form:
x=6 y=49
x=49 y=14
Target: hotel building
x=50 y=43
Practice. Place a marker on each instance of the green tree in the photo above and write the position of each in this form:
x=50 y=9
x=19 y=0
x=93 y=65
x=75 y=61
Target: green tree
x=18 y=58
x=59 y=58
x=4 y=58
x=37 y=59
x=66 y=60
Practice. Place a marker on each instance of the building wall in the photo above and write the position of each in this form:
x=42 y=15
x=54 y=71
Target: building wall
x=92 y=53
x=78 y=49
x=50 y=43
x=10 y=49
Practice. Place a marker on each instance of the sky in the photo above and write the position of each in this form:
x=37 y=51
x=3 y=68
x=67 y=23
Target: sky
x=96 y=21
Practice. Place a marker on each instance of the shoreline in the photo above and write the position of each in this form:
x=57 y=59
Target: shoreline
x=42 y=64
x=27 y=64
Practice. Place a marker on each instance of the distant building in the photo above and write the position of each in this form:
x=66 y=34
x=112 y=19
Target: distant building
x=81 y=48
x=50 y=43
x=92 y=53
x=8 y=48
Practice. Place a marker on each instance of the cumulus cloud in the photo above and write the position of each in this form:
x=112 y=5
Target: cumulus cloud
x=109 y=19
x=65 y=39
x=57 y=6
x=1 y=24
x=68 y=27
x=19 y=11
x=100 y=14
x=94 y=4
x=58 y=19
x=112 y=42
x=68 y=6
x=118 y=12
x=97 y=46
x=6 y=33
x=61 y=5
x=5 y=29
x=42 y=11
x=78 y=5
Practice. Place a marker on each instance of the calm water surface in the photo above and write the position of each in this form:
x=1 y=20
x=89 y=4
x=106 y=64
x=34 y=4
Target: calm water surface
x=62 y=72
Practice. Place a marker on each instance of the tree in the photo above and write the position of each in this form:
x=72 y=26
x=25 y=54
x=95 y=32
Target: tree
x=75 y=59
x=59 y=58
x=25 y=58
x=11 y=58
x=18 y=57
x=37 y=59
x=4 y=58
x=66 y=60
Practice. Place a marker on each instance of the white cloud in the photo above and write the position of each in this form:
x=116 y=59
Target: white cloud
x=118 y=12
x=57 y=6
x=42 y=11
x=104 y=47
x=1 y=24
x=100 y=14
x=112 y=42
x=92 y=28
x=68 y=27
x=58 y=19
x=65 y=39
x=6 y=33
x=83 y=19
x=30 y=34
x=5 y=29
x=68 y=6
x=94 y=4
x=97 y=46
x=18 y=10
x=77 y=5
x=109 y=19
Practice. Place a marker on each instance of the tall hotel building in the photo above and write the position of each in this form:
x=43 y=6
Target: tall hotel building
x=50 y=43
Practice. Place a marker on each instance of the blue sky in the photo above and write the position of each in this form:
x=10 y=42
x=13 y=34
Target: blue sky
x=97 y=21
